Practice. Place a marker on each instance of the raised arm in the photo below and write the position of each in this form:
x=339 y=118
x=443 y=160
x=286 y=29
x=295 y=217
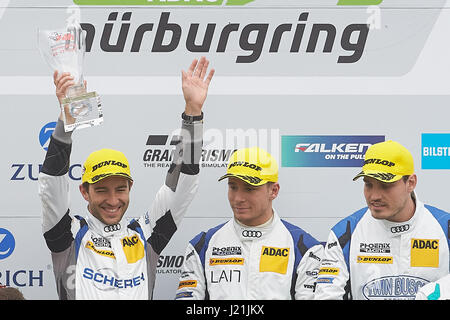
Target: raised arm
x=181 y=183
x=53 y=179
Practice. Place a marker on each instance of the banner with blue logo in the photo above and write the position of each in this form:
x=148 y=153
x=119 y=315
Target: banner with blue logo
x=325 y=151
x=435 y=150
x=7 y=243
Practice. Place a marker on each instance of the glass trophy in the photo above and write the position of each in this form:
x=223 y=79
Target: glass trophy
x=64 y=50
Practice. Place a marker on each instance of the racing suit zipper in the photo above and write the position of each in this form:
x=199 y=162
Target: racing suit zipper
x=252 y=271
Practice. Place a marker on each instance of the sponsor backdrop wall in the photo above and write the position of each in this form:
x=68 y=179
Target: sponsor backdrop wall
x=313 y=82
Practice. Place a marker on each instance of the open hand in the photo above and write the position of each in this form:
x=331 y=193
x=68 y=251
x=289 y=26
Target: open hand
x=195 y=86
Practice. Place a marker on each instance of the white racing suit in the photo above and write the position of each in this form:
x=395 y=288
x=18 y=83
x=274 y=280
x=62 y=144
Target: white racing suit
x=92 y=260
x=274 y=261
x=372 y=259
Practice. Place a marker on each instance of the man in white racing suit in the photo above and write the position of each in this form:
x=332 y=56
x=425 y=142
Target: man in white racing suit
x=391 y=248
x=100 y=256
x=255 y=255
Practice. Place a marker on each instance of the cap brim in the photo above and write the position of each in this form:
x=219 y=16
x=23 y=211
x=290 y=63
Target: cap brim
x=254 y=181
x=100 y=177
x=380 y=176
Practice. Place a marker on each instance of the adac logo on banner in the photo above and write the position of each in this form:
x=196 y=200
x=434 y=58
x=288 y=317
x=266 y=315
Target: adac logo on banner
x=435 y=150
x=325 y=151
x=30 y=171
x=165 y=2
x=204 y=2
x=359 y=2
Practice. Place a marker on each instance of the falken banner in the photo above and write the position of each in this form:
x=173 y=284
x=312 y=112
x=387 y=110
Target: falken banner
x=326 y=151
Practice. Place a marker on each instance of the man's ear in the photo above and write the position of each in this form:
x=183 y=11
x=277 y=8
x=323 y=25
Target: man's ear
x=84 y=192
x=274 y=190
x=412 y=182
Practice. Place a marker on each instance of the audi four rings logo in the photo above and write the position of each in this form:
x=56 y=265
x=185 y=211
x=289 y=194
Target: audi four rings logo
x=112 y=227
x=399 y=229
x=251 y=233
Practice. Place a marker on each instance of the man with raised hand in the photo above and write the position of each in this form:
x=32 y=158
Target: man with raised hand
x=98 y=255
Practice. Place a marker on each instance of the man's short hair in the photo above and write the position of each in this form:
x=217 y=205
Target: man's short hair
x=10 y=293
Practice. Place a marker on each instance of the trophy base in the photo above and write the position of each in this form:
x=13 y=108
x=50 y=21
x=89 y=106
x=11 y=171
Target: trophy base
x=81 y=111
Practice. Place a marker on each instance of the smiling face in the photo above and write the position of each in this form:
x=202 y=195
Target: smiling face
x=108 y=198
x=390 y=201
x=251 y=205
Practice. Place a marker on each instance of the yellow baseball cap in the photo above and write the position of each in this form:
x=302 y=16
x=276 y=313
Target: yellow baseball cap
x=104 y=163
x=252 y=165
x=387 y=161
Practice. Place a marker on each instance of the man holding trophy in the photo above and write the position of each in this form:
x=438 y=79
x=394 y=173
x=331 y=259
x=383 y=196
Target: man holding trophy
x=99 y=256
